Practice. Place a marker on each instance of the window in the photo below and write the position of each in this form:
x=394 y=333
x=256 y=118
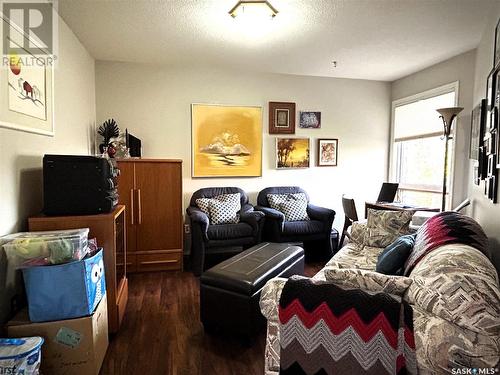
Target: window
x=417 y=161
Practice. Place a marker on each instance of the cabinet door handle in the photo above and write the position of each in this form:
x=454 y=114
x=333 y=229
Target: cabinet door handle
x=152 y=262
x=132 y=206
x=139 y=207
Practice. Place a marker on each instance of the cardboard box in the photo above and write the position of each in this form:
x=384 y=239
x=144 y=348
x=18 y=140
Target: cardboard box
x=72 y=347
x=65 y=291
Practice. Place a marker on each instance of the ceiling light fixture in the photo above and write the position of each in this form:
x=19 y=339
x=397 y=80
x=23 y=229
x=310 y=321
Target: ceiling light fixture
x=256 y=7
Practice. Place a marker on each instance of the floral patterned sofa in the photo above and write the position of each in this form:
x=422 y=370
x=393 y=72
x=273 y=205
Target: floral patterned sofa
x=453 y=291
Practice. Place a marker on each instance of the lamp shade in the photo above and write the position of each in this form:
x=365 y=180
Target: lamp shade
x=448 y=114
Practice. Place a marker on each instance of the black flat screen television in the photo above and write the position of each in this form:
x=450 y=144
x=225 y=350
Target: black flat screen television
x=133 y=144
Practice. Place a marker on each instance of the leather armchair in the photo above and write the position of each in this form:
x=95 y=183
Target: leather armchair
x=314 y=233
x=227 y=239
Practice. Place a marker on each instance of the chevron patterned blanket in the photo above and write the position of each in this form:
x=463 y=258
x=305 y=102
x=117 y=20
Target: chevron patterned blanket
x=443 y=229
x=329 y=330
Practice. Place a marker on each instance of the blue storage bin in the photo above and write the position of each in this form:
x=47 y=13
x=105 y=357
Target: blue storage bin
x=65 y=291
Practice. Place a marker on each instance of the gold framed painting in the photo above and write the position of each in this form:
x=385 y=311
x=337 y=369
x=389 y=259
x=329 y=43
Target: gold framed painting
x=292 y=153
x=226 y=140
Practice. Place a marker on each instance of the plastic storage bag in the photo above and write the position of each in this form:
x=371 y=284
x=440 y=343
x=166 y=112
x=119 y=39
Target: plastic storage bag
x=42 y=248
x=20 y=356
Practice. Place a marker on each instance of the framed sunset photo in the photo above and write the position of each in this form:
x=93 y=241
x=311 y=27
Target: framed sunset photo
x=292 y=153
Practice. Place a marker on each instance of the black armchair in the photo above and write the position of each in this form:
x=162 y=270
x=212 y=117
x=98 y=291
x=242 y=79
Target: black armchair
x=227 y=239
x=314 y=233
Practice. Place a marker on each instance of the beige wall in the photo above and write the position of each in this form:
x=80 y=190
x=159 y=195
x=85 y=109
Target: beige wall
x=21 y=153
x=154 y=104
x=459 y=68
x=482 y=209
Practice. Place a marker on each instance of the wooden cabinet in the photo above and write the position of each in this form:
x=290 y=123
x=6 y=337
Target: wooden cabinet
x=110 y=231
x=152 y=191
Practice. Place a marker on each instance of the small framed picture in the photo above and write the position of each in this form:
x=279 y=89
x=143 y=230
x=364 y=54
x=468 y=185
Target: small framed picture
x=496 y=94
x=483 y=163
x=478 y=121
x=310 y=120
x=491 y=164
x=327 y=152
x=292 y=153
x=496 y=54
x=491 y=189
x=491 y=143
x=493 y=119
x=490 y=98
x=281 y=118
x=475 y=172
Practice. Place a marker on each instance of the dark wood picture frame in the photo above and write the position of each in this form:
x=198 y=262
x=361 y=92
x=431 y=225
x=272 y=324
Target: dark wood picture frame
x=478 y=123
x=281 y=118
x=319 y=159
x=496 y=47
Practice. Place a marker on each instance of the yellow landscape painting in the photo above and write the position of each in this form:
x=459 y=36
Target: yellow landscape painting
x=226 y=141
x=292 y=153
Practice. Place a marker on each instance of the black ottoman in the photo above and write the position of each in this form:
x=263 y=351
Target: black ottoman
x=230 y=291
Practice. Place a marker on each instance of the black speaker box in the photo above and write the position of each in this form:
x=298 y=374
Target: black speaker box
x=78 y=185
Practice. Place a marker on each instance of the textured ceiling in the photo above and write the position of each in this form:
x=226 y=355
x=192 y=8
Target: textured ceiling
x=370 y=39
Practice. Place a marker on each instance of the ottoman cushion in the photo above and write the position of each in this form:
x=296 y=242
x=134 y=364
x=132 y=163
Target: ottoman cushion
x=248 y=271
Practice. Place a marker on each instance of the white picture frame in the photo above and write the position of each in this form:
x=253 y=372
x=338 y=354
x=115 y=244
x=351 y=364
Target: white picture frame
x=11 y=114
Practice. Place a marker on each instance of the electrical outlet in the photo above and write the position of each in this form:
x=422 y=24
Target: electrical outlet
x=187 y=229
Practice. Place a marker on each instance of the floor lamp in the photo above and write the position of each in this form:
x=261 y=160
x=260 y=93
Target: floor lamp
x=447 y=115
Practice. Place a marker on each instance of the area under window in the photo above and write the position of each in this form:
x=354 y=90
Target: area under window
x=417 y=161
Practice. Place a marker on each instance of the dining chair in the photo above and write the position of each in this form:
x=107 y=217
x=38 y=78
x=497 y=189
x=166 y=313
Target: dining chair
x=351 y=216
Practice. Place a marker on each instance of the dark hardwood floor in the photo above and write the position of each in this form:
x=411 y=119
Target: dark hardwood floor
x=161 y=333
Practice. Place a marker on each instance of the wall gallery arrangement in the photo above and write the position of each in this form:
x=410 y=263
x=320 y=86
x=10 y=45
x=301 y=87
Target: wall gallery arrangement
x=477 y=152
x=485 y=129
x=226 y=141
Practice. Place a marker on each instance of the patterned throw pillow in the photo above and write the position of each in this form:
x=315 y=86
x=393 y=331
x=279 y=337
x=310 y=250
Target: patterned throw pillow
x=293 y=206
x=395 y=222
x=226 y=212
x=374 y=237
x=203 y=204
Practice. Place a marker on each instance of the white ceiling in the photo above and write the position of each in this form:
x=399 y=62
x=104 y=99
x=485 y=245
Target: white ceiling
x=370 y=39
